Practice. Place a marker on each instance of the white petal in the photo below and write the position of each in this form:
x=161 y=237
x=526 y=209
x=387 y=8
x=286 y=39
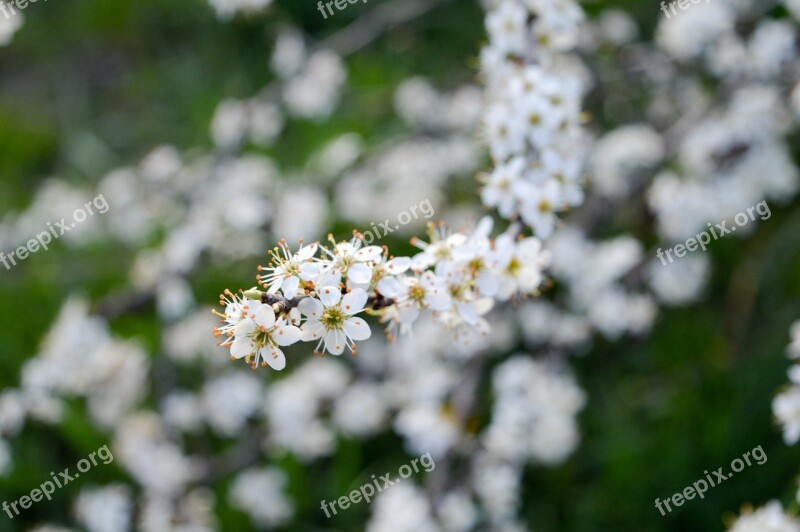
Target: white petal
x=354 y=301
x=344 y=249
x=275 y=285
x=423 y=260
x=487 y=283
x=357 y=329
x=484 y=305
x=398 y=265
x=274 y=357
x=484 y=227
x=329 y=279
x=309 y=271
x=369 y=253
x=265 y=317
x=359 y=273
x=329 y=295
x=438 y=300
x=251 y=306
x=389 y=287
x=306 y=252
x=352 y=286
x=290 y=287
x=286 y=334
x=468 y=312
x=311 y=307
x=407 y=314
x=244 y=327
x=334 y=342
x=311 y=330
x=233 y=310
x=241 y=347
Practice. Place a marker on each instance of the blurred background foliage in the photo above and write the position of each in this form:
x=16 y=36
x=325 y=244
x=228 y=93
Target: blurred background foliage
x=90 y=86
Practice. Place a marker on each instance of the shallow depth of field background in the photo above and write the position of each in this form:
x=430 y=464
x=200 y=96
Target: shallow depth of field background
x=90 y=86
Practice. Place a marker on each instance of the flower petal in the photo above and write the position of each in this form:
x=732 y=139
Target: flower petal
x=305 y=252
x=290 y=287
x=487 y=283
x=354 y=301
x=251 y=306
x=265 y=317
x=467 y=312
x=330 y=295
x=308 y=271
x=286 y=334
x=274 y=357
x=389 y=287
x=244 y=327
x=241 y=347
x=311 y=330
x=369 y=253
x=334 y=341
x=359 y=273
x=329 y=279
x=311 y=307
x=357 y=329
x=275 y=285
x=438 y=300
x=398 y=265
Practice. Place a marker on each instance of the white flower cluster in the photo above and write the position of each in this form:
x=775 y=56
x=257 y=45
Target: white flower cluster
x=228 y=8
x=593 y=273
x=405 y=170
x=259 y=492
x=255 y=120
x=622 y=153
x=294 y=409
x=733 y=158
x=768 y=518
x=532 y=119
x=786 y=405
x=312 y=79
x=79 y=358
x=9 y=26
x=786 y=409
x=534 y=414
x=316 y=293
x=106 y=509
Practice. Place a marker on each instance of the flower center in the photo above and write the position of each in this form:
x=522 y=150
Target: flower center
x=417 y=293
x=476 y=265
x=261 y=337
x=344 y=263
x=289 y=269
x=332 y=318
x=442 y=253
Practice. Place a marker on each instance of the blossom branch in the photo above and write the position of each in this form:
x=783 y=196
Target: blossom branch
x=316 y=293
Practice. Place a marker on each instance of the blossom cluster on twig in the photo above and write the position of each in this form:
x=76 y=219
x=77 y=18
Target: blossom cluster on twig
x=316 y=293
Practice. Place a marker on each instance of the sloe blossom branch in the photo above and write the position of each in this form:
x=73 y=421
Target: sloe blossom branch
x=316 y=293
